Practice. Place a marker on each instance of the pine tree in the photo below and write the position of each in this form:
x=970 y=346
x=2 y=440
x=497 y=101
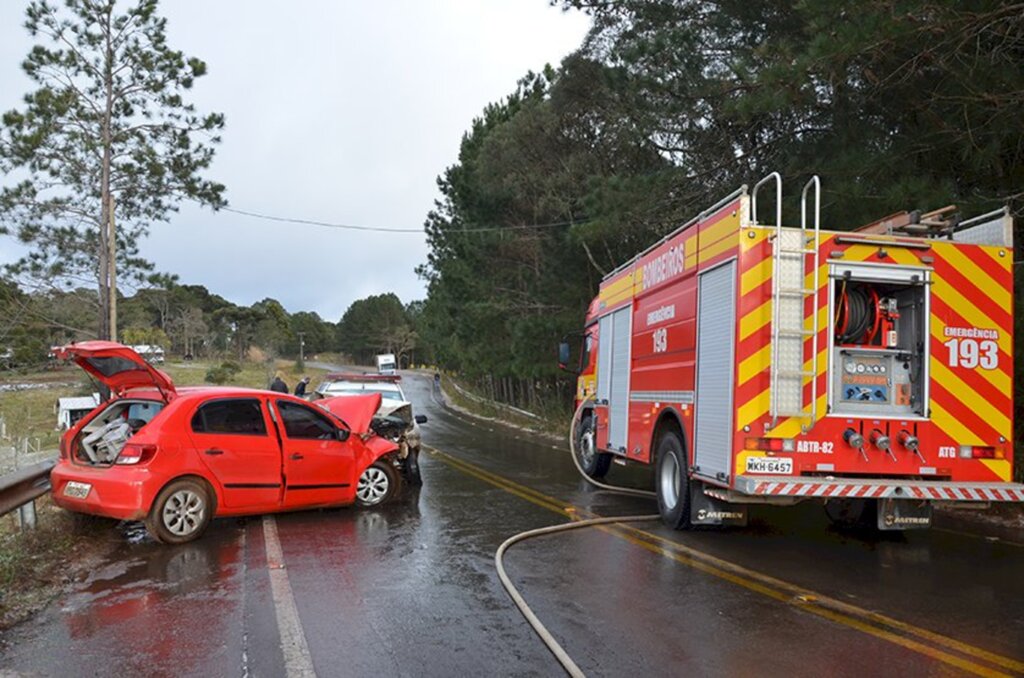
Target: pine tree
x=107 y=133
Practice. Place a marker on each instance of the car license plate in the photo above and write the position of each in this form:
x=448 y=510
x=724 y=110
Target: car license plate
x=770 y=465
x=77 y=490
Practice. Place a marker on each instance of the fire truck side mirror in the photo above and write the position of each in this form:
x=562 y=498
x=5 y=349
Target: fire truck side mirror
x=563 y=356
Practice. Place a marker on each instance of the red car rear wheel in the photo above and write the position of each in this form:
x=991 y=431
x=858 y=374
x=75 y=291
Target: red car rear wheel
x=181 y=512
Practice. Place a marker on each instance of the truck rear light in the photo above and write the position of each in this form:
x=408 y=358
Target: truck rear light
x=770 y=444
x=132 y=453
x=980 y=452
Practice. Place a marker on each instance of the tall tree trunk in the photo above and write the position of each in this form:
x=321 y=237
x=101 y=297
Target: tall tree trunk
x=108 y=295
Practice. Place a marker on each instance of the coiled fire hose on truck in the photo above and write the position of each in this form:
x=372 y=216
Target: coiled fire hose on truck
x=560 y=654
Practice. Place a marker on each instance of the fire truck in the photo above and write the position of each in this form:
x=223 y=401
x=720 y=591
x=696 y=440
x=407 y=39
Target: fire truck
x=756 y=363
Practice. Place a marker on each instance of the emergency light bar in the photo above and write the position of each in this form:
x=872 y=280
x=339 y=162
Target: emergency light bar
x=362 y=376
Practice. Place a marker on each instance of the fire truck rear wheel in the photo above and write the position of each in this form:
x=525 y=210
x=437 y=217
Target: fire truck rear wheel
x=852 y=514
x=671 y=482
x=595 y=464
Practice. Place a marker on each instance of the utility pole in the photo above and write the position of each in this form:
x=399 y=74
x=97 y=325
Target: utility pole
x=302 y=346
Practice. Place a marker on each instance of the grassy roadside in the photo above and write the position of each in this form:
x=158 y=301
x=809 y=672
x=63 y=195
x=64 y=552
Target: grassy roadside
x=555 y=425
x=36 y=564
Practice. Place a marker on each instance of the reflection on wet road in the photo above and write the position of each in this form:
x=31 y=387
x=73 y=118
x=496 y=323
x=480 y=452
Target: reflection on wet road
x=411 y=589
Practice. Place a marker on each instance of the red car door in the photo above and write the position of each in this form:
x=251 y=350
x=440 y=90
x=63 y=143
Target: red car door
x=318 y=467
x=232 y=437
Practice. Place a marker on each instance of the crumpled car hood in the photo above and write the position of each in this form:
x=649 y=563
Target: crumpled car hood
x=396 y=408
x=356 y=410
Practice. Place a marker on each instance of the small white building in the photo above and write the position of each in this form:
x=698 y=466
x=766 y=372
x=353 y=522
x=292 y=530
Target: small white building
x=70 y=410
x=150 y=352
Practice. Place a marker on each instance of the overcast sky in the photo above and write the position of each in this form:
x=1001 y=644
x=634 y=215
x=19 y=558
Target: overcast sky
x=336 y=111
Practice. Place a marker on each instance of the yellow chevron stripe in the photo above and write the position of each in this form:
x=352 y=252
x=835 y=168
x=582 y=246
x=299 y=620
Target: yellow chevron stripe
x=746 y=242
x=756 y=275
x=1004 y=262
x=969 y=312
x=793 y=426
x=1000 y=467
x=977 y=275
x=756 y=319
x=969 y=398
x=759 y=405
x=754 y=364
x=904 y=257
x=753 y=409
x=952 y=426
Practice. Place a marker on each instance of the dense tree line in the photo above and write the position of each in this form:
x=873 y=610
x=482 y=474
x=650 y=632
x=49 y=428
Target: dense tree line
x=670 y=104
x=191 y=320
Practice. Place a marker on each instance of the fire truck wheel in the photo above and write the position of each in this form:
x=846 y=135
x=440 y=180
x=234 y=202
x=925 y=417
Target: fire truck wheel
x=595 y=464
x=672 y=484
x=852 y=514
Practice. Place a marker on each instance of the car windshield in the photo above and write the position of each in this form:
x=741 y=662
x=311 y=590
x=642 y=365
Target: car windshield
x=338 y=388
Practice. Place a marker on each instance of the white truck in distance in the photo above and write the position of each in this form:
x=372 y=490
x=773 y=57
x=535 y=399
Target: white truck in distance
x=386 y=363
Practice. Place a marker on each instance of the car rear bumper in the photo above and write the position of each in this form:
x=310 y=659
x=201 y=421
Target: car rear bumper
x=119 y=492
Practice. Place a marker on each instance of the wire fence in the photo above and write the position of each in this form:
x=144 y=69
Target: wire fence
x=16 y=453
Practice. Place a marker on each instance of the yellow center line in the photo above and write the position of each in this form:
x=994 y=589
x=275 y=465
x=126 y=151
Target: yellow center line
x=782 y=591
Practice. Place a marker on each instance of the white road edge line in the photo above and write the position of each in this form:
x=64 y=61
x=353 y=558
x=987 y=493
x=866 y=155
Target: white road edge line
x=297 y=660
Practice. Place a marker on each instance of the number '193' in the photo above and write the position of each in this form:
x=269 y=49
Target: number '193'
x=970 y=353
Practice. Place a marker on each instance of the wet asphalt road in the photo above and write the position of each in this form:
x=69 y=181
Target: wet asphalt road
x=411 y=590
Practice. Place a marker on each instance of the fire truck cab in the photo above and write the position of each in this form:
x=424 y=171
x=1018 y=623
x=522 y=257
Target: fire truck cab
x=756 y=363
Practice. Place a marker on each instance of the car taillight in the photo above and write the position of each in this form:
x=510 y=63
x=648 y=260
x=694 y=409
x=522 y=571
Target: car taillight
x=132 y=453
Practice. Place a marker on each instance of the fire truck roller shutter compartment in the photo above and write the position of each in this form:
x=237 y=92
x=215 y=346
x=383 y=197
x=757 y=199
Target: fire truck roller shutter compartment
x=716 y=332
x=879 y=347
x=613 y=374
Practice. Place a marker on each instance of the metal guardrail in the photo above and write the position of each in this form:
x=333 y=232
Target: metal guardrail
x=494 y=403
x=25 y=485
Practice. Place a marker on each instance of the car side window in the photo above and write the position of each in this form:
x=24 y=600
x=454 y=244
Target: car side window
x=241 y=416
x=304 y=422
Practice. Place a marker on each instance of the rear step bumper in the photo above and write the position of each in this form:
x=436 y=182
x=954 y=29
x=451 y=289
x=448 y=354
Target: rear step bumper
x=863 y=488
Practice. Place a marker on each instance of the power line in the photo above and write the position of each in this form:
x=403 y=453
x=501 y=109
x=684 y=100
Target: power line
x=384 y=229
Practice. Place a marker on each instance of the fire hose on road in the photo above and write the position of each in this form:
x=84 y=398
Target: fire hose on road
x=556 y=649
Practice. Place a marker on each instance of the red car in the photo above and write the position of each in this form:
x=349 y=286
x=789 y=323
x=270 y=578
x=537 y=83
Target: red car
x=175 y=458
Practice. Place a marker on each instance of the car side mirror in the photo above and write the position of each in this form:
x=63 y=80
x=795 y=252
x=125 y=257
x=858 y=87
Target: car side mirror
x=343 y=434
x=421 y=418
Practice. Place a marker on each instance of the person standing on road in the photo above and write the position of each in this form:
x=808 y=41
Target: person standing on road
x=278 y=384
x=300 y=388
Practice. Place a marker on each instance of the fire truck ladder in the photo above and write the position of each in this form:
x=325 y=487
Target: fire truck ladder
x=790 y=252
